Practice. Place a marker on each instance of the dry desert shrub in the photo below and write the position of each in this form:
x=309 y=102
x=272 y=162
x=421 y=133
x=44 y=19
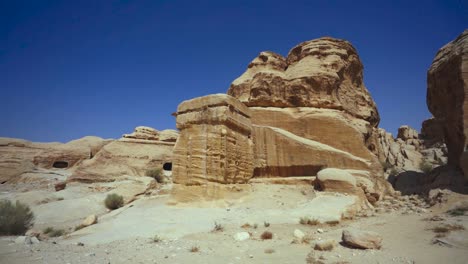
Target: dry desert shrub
x=269 y=251
x=15 y=218
x=308 y=221
x=157 y=174
x=114 y=201
x=194 y=249
x=218 y=227
x=266 y=235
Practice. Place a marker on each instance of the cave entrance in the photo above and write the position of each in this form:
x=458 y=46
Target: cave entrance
x=60 y=164
x=167 y=166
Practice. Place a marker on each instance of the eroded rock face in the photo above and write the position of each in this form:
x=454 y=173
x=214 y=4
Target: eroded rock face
x=131 y=155
x=149 y=133
x=321 y=73
x=409 y=150
x=215 y=142
x=447 y=95
x=18 y=156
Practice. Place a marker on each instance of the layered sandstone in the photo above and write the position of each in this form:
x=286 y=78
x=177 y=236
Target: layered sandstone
x=131 y=155
x=215 y=142
x=18 y=156
x=447 y=96
x=321 y=73
x=310 y=111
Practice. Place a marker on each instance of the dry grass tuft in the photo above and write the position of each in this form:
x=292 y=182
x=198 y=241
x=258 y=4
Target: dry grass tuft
x=217 y=227
x=194 y=249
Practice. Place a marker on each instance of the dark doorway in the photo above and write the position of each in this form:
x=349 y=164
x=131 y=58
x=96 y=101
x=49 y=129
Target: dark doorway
x=167 y=166
x=60 y=164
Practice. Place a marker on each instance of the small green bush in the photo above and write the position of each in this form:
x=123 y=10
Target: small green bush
x=425 y=167
x=15 y=219
x=48 y=230
x=157 y=174
x=114 y=201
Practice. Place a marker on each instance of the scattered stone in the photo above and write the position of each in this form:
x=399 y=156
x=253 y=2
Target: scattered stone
x=241 y=236
x=34 y=240
x=23 y=240
x=60 y=186
x=362 y=239
x=320 y=230
x=325 y=245
x=90 y=220
x=298 y=234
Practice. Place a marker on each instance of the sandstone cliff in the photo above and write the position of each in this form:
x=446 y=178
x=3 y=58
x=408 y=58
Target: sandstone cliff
x=447 y=97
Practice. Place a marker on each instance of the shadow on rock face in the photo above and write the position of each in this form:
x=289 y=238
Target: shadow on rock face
x=444 y=177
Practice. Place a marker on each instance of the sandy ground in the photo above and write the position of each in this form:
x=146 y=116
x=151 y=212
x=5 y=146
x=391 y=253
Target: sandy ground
x=126 y=235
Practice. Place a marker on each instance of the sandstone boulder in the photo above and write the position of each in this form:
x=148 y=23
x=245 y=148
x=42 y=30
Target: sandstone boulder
x=447 y=95
x=215 y=142
x=143 y=132
x=321 y=73
x=407 y=133
x=90 y=220
x=336 y=180
x=361 y=239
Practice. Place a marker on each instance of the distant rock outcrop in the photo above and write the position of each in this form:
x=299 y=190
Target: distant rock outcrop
x=18 y=156
x=132 y=155
x=447 y=97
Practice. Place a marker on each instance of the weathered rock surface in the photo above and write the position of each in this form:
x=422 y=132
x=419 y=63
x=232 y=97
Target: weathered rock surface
x=19 y=156
x=447 y=96
x=215 y=142
x=362 y=239
x=432 y=132
x=132 y=155
x=409 y=150
x=321 y=73
x=148 y=133
x=90 y=220
x=336 y=180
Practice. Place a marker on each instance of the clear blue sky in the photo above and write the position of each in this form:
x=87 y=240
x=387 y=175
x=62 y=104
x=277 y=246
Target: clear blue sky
x=74 y=68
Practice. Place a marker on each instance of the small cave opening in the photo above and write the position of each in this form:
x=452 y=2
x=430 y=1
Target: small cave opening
x=60 y=164
x=167 y=166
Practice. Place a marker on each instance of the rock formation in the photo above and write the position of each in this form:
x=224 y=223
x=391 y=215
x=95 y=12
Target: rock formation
x=215 y=142
x=310 y=110
x=19 y=156
x=306 y=112
x=447 y=97
x=133 y=155
x=321 y=73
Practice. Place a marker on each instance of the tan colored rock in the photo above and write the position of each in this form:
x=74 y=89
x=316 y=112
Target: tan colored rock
x=124 y=157
x=60 y=186
x=362 y=239
x=90 y=220
x=447 y=95
x=336 y=180
x=407 y=133
x=215 y=141
x=143 y=132
x=18 y=156
x=432 y=131
x=168 y=135
x=321 y=73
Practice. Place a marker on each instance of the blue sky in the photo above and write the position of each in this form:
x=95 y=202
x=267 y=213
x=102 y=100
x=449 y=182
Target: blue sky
x=74 y=68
